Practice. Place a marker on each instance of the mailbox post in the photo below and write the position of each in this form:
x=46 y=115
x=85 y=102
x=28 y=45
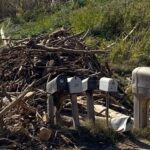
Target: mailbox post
x=108 y=85
x=75 y=86
x=88 y=85
x=50 y=109
x=56 y=86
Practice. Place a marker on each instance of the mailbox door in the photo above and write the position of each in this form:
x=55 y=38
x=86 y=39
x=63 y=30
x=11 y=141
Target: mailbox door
x=75 y=85
x=62 y=85
x=92 y=84
x=112 y=86
x=89 y=84
x=103 y=86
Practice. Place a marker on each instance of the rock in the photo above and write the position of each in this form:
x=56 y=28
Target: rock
x=45 y=134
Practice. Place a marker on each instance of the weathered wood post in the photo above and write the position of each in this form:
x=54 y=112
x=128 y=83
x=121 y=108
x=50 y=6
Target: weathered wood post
x=108 y=85
x=88 y=85
x=75 y=87
x=50 y=108
x=55 y=88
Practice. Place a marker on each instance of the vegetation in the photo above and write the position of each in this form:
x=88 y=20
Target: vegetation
x=142 y=133
x=122 y=22
x=108 y=21
x=101 y=131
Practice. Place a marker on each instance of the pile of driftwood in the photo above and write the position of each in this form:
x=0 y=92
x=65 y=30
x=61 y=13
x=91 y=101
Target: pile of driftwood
x=25 y=68
x=56 y=53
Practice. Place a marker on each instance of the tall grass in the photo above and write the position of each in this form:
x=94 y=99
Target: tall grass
x=142 y=133
x=107 y=20
x=101 y=131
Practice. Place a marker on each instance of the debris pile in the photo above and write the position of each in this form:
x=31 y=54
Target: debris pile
x=25 y=68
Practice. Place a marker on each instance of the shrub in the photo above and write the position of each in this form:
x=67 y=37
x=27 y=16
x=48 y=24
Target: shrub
x=108 y=21
x=142 y=133
x=85 y=18
x=101 y=131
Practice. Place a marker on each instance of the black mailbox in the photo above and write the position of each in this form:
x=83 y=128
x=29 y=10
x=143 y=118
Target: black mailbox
x=58 y=84
x=89 y=84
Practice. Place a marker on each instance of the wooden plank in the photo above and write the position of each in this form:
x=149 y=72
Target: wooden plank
x=75 y=113
x=100 y=109
x=90 y=106
x=15 y=102
x=50 y=109
x=112 y=113
x=107 y=110
x=67 y=50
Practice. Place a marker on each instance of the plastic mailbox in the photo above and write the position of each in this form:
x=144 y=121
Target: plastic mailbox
x=141 y=93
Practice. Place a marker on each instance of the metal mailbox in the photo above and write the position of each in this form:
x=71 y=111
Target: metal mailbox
x=108 y=84
x=89 y=84
x=58 y=84
x=75 y=85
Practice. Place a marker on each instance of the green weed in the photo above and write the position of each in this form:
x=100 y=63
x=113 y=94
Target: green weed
x=107 y=20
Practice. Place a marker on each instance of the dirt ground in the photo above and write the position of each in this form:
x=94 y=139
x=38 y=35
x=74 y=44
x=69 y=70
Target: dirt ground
x=134 y=144
x=139 y=144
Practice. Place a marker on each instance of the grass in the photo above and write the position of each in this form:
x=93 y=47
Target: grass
x=108 y=21
x=93 y=136
x=101 y=131
x=142 y=133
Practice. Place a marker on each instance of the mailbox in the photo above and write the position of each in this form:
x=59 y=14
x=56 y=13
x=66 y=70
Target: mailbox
x=108 y=84
x=141 y=95
x=58 y=84
x=89 y=84
x=141 y=80
x=75 y=85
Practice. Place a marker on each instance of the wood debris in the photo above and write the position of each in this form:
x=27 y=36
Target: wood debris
x=25 y=68
x=45 y=134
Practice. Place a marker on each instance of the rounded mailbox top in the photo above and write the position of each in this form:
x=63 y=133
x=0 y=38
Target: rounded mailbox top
x=145 y=71
x=141 y=80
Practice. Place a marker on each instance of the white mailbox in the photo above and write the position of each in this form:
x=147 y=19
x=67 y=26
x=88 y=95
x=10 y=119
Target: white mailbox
x=141 y=93
x=75 y=85
x=108 y=85
x=141 y=81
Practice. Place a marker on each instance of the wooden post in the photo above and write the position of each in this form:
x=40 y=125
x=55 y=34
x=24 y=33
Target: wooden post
x=50 y=109
x=141 y=109
x=75 y=113
x=59 y=106
x=1 y=119
x=90 y=106
x=107 y=109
